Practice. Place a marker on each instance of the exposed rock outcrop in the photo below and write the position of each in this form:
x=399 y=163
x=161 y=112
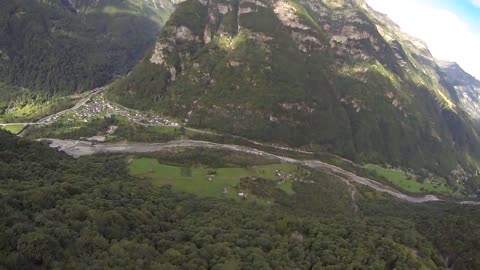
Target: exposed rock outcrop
x=159 y=53
x=465 y=85
x=288 y=15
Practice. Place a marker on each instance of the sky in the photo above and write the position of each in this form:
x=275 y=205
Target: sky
x=451 y=28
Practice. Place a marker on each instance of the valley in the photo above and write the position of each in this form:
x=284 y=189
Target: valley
x=232 y=134
x=82 y=148
x=94 y=105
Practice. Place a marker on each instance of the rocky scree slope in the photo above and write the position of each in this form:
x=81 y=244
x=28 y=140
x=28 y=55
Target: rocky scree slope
x=330 y=76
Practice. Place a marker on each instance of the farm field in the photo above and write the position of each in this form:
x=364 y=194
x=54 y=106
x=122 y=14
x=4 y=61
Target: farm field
x=399 y=179
x=208 y=182
x=15 y=129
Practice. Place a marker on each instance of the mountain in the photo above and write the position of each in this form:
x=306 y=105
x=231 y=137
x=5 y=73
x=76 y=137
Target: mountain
x=466 y=86
x=63 y=46
x=327 y=75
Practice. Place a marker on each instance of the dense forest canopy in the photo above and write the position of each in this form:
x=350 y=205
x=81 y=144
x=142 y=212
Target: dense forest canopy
x=65 y=46
x=58 y=212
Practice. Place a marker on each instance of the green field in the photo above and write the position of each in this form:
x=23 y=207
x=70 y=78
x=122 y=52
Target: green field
x=287 y=187
x=169 y=130
x=195 y=179
x=15 y=129
x=399 y=179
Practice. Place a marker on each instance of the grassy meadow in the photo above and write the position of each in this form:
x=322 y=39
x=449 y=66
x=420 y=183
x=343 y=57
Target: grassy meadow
x=195 y=179
x=410 y=184
x=15 y=129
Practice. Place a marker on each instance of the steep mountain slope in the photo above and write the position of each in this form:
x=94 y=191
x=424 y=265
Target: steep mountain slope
x=327 y=75
x=64 y=46
x=465 y=85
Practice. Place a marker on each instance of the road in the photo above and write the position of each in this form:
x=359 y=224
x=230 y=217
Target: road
x=14 y=124
x=81 y=148
x=278 y=147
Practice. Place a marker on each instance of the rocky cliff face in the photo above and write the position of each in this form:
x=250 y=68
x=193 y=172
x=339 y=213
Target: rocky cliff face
x=326 y=75
x=465 y=85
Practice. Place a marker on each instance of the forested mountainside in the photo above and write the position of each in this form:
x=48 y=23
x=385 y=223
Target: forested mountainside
x=324 y=75
x=65 y=46
x=466 y=86
x=58 y=212
x=327 y=75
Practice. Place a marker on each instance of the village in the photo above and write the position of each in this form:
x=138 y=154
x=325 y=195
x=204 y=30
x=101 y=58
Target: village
x=99 y=106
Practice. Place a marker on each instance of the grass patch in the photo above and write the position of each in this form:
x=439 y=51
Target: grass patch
x=167 y=130
x=15 y=129
x=287 y=187
x=195 y=178
x=410 y=184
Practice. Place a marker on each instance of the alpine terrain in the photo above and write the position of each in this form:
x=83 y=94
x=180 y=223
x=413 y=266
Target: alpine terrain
x=332 y=76
x=232 y=134
x=465 y=85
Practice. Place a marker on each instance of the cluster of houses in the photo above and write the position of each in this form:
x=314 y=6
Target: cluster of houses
x=285 y=177
x=100 y=106
x=50 y=120
x=436 y=184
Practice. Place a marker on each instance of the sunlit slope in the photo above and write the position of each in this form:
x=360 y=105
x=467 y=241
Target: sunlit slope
x=327 y=75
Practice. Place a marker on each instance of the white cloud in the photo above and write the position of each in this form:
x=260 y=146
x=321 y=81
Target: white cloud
x=448 y=36
x=476 y=2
